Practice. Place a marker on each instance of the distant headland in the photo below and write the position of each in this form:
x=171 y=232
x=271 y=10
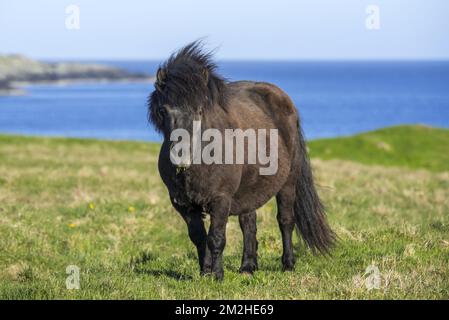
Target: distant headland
x=17 y=70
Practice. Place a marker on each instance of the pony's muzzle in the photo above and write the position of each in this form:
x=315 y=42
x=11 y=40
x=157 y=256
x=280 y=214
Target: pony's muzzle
x=183 y=160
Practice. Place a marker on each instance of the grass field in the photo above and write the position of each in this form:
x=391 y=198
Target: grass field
x=101 y=206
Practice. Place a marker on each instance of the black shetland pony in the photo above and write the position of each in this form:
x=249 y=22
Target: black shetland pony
x=188 y=88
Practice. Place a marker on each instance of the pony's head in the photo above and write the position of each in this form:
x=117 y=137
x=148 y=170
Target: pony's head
x=186 y=87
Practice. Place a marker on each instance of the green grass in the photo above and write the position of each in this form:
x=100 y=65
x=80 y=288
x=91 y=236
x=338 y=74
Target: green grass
x=101 y=206
x=408 y=146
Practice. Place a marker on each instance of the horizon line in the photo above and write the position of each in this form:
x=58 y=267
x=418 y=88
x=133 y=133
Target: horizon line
x=439 y=59
x=245 y=59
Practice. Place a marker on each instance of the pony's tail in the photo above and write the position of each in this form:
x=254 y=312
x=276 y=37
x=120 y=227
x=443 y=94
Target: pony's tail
x=309 y=212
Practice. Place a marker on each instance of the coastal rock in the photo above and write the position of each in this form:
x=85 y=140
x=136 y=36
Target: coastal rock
x=19 y=69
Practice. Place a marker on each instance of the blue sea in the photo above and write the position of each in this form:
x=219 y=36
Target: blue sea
x=334 y=99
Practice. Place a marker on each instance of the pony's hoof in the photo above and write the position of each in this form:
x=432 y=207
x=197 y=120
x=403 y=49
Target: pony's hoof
x=248 y=269
x=288 y=268
x=288 y=264
x=206 y=270
x=218 y=275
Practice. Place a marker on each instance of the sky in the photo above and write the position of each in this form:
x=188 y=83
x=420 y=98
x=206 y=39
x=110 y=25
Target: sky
x=240 y=29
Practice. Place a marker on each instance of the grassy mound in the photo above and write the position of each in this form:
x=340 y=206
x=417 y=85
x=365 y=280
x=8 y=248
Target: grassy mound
x=407 y=146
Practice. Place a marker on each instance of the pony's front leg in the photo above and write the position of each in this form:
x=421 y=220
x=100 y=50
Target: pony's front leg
x=248 y=225
x=198 y=235
x=216 y=239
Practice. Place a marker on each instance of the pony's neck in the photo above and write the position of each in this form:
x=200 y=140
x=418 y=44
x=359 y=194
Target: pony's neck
x=216 y=118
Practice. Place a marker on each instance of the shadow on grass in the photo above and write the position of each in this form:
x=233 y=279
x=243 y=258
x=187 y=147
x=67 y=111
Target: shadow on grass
x=165 y=273
x=266 y=263
x=147 y=262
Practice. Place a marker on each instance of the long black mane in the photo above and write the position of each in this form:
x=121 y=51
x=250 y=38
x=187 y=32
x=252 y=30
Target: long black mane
x=188 y=80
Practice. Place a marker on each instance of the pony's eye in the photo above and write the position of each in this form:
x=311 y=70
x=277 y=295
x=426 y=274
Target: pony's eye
x=162 y=111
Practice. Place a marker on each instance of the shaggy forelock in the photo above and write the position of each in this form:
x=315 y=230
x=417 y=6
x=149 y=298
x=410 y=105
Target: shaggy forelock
x=188 y=80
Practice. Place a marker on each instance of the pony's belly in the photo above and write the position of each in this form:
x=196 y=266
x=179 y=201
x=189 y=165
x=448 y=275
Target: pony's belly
x=241 y=206
x=255 y=190
x=251 y=197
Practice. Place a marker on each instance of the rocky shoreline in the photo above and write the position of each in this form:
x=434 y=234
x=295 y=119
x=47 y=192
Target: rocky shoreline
x=16 y=71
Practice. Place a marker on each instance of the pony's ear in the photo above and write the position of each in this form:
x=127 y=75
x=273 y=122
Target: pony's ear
x=154 y=116
x=160 y=75
x=160 y=79
x=206 y=75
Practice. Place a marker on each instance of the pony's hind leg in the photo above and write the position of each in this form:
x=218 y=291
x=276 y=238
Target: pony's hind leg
x=248 y=225
x=285 y=201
